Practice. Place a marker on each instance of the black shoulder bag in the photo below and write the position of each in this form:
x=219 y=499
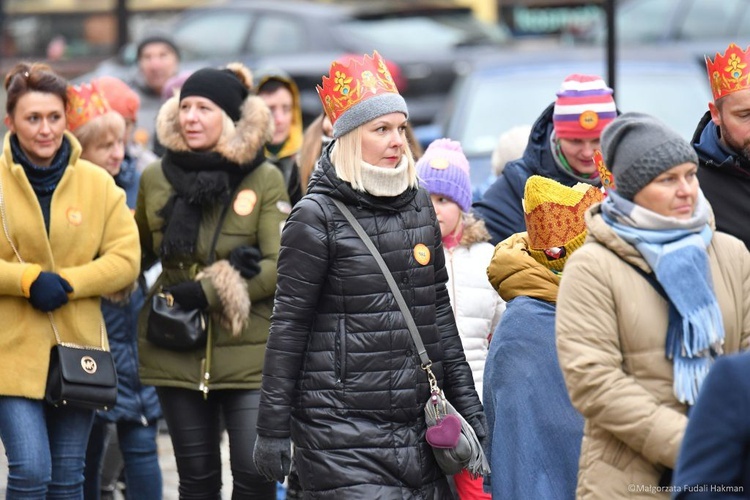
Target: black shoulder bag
x=173 y=327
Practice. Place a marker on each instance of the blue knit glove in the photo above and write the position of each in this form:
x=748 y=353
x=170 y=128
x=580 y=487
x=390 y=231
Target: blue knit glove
x=189 y=294
x=273 y=457
x=49 y=291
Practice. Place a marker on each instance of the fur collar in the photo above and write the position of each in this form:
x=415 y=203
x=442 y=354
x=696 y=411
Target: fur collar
x=239 y=144
x=474 y=231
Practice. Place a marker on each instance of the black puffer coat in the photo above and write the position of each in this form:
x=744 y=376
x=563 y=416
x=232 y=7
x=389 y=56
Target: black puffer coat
x=341 y=372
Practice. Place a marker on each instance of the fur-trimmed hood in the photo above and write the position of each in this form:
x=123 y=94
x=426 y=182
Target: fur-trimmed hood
x=474 y=231
x=239 y=143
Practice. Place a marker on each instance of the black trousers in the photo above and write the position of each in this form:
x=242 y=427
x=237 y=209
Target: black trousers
x=195 y=429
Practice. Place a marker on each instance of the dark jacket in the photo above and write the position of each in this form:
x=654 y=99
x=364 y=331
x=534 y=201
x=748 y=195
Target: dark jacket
x=135 y=402
x=342 y=375
x=500 y=206
x=724 y=177
x=716 y=448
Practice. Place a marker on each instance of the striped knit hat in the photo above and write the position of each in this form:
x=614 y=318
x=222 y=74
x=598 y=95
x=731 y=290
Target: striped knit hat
x=554 y=218
x=583 y=108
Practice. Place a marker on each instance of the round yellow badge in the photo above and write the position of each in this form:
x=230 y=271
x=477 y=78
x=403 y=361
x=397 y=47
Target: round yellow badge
x=245 y=202
x=74 y=216
x=422 y=254
x=588 y=119
x=439 y=163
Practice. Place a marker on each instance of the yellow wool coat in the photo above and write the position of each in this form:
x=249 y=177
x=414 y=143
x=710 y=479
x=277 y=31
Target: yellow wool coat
x=92 y=242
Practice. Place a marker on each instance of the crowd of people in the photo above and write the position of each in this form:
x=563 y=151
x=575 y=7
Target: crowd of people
x=584 y=318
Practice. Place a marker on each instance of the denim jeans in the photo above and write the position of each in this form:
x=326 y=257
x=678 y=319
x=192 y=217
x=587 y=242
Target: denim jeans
x=46 y=448
x=138 y=445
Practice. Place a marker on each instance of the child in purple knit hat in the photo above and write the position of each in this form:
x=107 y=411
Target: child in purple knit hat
x=444 y=171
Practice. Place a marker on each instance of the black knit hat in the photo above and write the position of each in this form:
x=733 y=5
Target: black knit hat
x=165 y=39
x=221 y=86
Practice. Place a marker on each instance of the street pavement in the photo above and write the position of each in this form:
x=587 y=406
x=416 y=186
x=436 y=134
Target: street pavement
x=166 y=461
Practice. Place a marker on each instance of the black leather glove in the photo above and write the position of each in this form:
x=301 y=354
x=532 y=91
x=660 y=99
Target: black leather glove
x=273 y=457
x=246 y=259
x=189 y=294
x=49 y=291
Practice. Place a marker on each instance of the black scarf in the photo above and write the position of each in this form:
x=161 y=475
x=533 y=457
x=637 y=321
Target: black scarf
x=198 y=178
x=42 y=179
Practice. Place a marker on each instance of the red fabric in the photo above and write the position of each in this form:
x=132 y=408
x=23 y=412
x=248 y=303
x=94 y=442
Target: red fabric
x=468 y=488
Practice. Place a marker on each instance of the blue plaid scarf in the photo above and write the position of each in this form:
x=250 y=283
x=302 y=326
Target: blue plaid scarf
x=676 y=251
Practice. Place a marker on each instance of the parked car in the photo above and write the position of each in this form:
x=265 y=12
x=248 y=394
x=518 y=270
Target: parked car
x=499 y=94
x=432 y=42
x=703 y=26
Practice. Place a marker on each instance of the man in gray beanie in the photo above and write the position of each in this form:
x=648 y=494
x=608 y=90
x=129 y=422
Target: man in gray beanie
x=637 y=148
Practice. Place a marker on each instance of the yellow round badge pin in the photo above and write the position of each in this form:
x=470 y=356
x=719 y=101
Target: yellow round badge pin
x=439 y=163
x=422 y=254
x=74 y=216
x=245 y=202
x=588 y=119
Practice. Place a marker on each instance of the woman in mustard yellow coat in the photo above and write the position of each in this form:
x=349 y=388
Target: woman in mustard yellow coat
x=67 y=239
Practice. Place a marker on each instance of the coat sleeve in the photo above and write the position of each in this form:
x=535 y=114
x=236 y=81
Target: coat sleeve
x=302 y=270
x=714 y=450
x=116 y=264
x=148 y=256
x=591 y=359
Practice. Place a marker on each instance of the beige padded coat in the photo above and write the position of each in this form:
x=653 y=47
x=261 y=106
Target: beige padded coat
x=611 y=330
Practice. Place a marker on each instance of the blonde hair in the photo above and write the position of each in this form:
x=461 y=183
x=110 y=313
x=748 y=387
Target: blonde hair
x=346 y=158
x=97 y=129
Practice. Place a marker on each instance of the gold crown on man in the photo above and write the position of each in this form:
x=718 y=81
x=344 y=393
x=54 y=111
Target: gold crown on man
x=729 y=72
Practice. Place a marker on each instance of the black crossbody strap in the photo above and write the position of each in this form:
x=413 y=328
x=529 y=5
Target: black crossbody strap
x=389 y=278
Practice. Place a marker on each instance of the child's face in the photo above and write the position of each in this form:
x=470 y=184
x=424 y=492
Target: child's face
x=448 y=213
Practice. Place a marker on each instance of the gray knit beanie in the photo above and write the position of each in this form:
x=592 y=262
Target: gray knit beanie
x=638 y=147
x=367 y=110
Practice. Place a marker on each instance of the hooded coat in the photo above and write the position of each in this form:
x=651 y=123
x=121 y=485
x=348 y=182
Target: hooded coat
x=500 y=206
x=611 y=332
x=92 y=243
x=286 y=158
x=240 y=308
x=535 y=433
x=342 y=376
x=724 y=177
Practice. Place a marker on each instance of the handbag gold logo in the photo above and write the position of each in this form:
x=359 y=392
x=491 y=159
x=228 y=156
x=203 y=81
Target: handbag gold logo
x=88 y=364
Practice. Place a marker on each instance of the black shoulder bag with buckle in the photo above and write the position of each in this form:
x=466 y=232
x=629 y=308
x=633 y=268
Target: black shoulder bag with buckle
x=173 y=327
x=454 y=443
x=80 y=376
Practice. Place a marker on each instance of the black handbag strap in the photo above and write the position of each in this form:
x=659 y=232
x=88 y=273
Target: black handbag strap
x=391 y=283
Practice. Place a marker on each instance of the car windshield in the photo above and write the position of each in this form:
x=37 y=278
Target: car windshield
x=434 y=32
x=497 y=103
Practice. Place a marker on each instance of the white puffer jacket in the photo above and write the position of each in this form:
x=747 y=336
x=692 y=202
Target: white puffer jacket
x=476 y=305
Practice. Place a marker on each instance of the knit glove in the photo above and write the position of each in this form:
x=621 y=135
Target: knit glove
x=188 y=294
x=49 y=291
x=478 y=422
x=246 y=260
x=273 y=457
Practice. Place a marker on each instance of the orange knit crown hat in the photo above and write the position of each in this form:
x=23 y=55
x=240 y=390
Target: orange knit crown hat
x=85 y=102
x=554 y=218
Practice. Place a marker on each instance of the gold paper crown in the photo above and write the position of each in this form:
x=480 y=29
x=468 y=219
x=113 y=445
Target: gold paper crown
x=729 y=72
x=554 y=212
x=354 y=81
x=85 y=102
x=605 y=176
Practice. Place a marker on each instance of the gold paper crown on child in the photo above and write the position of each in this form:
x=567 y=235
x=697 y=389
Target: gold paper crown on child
x=354 y=81
x=85 y=102
x=729 y=72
